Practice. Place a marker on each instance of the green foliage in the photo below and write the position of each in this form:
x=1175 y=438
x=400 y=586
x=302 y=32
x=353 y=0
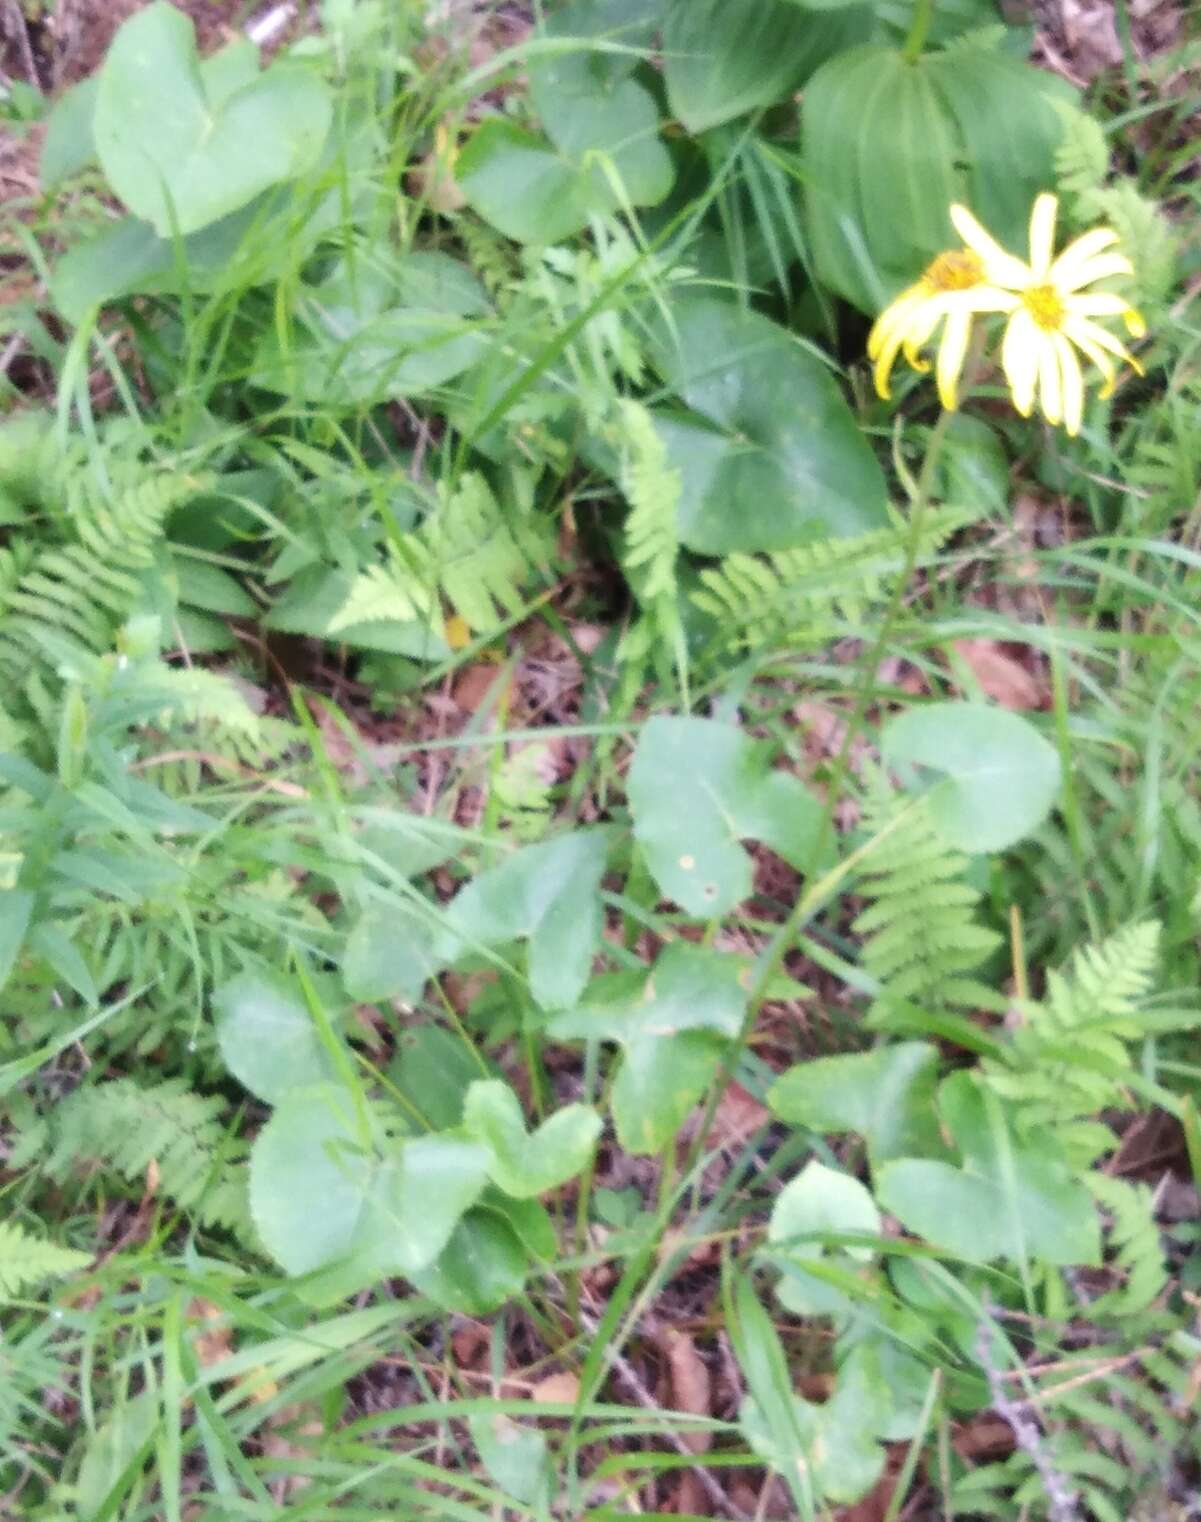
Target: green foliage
x=162 y=1136
x=25 y=1260
x=923 y=942
x=811 y=594
x=477 y=730
x=1069 y=1055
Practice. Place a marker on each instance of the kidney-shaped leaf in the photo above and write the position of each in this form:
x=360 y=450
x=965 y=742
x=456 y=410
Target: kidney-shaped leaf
x=182 y=155
x=770 y=456
x=999 y=777
x=548 y=892
x=527 y=1165
x=886 y=1096
x=697 y=788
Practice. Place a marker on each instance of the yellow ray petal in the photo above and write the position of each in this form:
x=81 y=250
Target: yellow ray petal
x=1073 y=384
x=951 y=354
x=895 y=316
x=1000 y=268
x=1019 y=357
x=1089 y=271
x=1042 y=234
x=1079 y=251
x=921 y=330
x=1079 y=329
x=1097 y=304
x=1095 y=355
x=1050 y=387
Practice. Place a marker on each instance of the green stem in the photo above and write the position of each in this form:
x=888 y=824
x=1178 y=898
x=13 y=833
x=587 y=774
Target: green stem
x=923 y=14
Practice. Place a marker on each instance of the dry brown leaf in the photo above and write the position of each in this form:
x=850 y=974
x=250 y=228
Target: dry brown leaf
x=738 y=1116
x=557 y=1390
x=1002 y=677
x=214 y=1339
x=691 y=1387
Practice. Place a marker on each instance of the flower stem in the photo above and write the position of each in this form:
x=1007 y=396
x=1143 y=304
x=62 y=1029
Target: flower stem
x=923 y=14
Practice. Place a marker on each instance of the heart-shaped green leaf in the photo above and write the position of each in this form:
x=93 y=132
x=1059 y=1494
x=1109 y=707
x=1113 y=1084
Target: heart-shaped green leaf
x=999 y=777
x=321 y=1193
x=770 y=456
x=527 y=1165
x=697 y=788
x=182 y=151
x=548 y=892
x=481 y=1267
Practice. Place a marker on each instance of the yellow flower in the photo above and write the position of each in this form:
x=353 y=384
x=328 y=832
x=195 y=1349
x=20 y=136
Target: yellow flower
x=1052 y=314
x=952 y=290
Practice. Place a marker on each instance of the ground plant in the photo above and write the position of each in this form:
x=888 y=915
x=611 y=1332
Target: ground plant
x=600 y=842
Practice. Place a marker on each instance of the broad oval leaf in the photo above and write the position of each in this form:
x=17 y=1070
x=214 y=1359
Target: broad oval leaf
x=999 y=776
x=819 y=1199
x=482 y=1266
x=724 y=57
x=888 y=143
x=771 y=456
x=180 y=156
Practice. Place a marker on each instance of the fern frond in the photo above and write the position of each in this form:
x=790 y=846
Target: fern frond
x=1070 y=1057
x=810 y=593
x=1082 y=157
x=26 y=1260
x=73 y=597
x=469 y=551
x=124 y=1127
x=1137 y=1252
x=923 y=941
x=652 y=488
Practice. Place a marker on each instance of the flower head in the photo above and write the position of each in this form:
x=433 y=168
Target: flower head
x=1051 y=313
x=950 y=291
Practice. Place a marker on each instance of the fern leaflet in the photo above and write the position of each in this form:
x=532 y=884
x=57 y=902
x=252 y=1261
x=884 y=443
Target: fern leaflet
x=26 y=1260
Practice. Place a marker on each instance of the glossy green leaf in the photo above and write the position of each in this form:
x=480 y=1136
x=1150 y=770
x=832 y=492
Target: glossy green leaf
x=267 y=1036
x=698 y=788
x=320 y=1193
x=181 y=157
x=997 y=777
x=1012 y=1198
x=886 y=1096
x=433 y=1070
x=770 y=456
x=819 y=1199
x=526 y=1165
x=722 y=58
